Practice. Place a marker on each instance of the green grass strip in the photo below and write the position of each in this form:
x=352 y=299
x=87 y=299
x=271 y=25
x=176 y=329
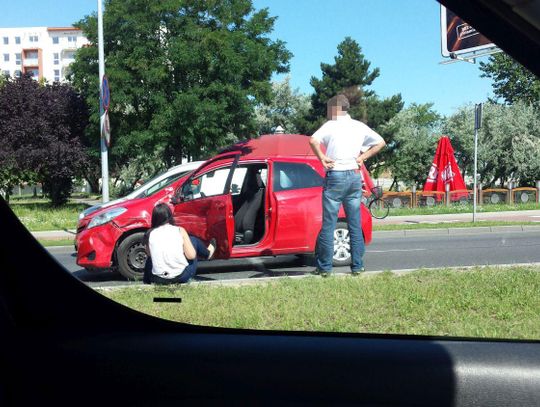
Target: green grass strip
x=458 y=208
x=488 y=303
x=40 y=216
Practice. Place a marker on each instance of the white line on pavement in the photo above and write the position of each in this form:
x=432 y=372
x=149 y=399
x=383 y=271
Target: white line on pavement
x=396 y=250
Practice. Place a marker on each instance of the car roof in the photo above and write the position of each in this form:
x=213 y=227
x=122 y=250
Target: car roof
x=273 y=145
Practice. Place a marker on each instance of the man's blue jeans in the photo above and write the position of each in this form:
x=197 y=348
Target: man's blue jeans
x=341 y=187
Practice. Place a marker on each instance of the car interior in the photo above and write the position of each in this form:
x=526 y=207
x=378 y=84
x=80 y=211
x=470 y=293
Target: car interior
x=249 y=207
x=65 y=344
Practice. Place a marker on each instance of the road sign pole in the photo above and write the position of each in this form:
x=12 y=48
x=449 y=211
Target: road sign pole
x=104 y=152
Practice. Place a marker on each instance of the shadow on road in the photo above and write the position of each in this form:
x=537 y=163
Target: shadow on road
x=254 y=267
x=222 y=269
x=97 y=276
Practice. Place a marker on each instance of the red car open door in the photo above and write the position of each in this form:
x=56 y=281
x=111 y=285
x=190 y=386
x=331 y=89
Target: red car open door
x=203 y=204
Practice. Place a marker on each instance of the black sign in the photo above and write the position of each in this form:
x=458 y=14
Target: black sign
x=458 y=37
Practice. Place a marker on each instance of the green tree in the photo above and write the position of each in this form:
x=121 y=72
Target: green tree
x=184 y=75
x=508 y=142
x=512 y=82
x=416 y=131
x=351 y=74
x=286 y=109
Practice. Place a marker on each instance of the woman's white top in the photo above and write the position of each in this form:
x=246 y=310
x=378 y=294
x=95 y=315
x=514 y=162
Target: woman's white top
x=167 y=251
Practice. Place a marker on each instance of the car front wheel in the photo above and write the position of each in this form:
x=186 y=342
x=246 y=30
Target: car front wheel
x=131 y=257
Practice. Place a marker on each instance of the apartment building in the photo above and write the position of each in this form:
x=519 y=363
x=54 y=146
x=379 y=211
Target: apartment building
x=43 y=52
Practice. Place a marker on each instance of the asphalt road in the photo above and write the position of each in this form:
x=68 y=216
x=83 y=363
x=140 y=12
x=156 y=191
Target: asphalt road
x=385 y=253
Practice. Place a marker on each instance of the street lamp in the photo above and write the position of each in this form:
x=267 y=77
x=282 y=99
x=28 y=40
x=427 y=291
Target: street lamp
x=477 y=125
x=102 y=112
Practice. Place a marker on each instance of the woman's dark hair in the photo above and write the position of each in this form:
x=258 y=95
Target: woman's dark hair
x=162 y=215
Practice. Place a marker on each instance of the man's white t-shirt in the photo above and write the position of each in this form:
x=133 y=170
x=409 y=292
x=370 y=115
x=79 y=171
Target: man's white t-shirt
x=344 y=139
x=167 y=251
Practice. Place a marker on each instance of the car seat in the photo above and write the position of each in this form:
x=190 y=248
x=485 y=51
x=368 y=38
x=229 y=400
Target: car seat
x=246 y=215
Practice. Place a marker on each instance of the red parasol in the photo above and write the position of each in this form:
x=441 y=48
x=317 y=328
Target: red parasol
x=444 y=169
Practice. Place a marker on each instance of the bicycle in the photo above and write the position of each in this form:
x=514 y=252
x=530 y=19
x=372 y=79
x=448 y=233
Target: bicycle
x=377 y=206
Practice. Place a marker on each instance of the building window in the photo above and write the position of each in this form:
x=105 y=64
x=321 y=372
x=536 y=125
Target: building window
x=57 y=75
x=55 y=40
x=5 y=73
x=33 y=38
x=6 y=40
x=17 y=59
x=17 y=73
x=6 y=57
x=72 y=38
x=56 y=58
x=69 y=55
x=31 y=55
x=17 y=40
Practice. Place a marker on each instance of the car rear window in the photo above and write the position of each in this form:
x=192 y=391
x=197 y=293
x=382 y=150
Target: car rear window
x=295 y=176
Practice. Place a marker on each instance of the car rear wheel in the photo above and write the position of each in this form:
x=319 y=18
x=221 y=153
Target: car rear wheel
x=131 y=257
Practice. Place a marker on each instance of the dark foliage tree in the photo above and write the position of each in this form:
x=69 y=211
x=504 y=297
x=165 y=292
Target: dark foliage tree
x=184 y=75
x=40 y=131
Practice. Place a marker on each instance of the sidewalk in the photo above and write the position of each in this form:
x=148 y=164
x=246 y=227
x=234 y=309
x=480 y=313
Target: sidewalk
x=55 y=234
x=514 y=216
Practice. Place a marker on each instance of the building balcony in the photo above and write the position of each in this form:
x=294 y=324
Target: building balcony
x=31 y=62
x=66 y=52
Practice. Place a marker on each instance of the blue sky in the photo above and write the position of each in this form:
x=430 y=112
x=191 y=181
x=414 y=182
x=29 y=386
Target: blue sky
x=401 y=37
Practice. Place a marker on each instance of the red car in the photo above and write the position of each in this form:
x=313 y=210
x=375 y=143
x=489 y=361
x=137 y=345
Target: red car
x=261 y=197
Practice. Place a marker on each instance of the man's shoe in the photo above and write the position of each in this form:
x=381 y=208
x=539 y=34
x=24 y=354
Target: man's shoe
x=357 y=272
x=321 y=273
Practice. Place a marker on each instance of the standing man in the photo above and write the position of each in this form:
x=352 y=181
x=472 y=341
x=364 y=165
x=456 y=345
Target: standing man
x=344 y=139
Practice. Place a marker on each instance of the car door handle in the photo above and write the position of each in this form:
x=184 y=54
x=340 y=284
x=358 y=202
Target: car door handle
x=220 y=205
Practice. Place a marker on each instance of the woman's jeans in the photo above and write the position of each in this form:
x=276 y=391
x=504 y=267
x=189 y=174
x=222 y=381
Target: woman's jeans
x=341 y=187
x=189 y=271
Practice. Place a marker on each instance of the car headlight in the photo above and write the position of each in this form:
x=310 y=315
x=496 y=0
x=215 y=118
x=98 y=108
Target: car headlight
x=106 y=217
x=90 y=210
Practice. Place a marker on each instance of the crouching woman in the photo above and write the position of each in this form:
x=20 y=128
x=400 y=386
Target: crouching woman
x=173 y=254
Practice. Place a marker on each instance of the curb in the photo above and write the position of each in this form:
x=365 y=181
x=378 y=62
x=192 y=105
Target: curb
x=266 y=280
x=54 y=234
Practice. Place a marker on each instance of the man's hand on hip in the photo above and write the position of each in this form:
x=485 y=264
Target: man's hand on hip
x=327 y=163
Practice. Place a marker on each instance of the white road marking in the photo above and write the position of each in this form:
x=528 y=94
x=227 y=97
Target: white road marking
x=396 y=250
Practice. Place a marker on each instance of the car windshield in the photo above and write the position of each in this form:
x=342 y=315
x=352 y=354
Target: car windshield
x=158 y=186
x=140 y=190
x=372 y=166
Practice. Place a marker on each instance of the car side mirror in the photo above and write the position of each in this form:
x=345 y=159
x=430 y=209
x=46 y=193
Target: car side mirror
x=175 y=200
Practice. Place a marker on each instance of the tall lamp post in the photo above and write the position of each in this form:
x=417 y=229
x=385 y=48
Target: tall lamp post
x=477 y=125
x=103 y=110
